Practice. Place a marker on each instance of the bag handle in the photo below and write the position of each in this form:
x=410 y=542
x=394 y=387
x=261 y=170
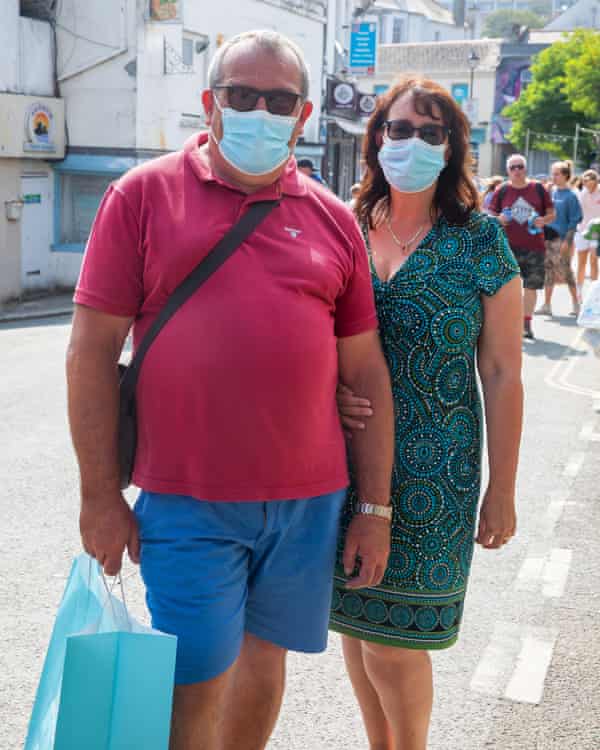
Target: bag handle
x=224 y=249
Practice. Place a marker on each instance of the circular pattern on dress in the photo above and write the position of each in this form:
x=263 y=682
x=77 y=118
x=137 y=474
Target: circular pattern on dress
x=423 y=261
x=438 y=575
x=417 y=370
x=448 y=616
x=432 y=545
x=352 y=605
x=488 y=265
x=423 y=452
x=401 y=616
x=452 y=330
x=376 y=611
x=402 y=563
x=463 y=470
x=420 y=502
x=462 y=425
x=403 y=408
x=449 y=246
x=452 y=380
x=426 y=618
x=410 y=319
x=336 y=600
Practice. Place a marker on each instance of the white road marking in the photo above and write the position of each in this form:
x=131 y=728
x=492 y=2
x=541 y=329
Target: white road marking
x=527 y=682
x=515 y=663
x=554 y=511
x=588 y=433
x=556 y=573
x=559 y=380
x=547 y=573
x=575 y=463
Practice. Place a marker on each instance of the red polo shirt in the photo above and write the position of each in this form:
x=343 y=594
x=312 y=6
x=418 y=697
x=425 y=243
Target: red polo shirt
x=236 y=397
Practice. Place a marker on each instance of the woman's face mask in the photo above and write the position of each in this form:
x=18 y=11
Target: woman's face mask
x=411 y=165
x=255 y=142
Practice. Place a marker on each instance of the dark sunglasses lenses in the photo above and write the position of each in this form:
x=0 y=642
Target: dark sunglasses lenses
x=244 y=99
x=516 y=166
x=400 y=130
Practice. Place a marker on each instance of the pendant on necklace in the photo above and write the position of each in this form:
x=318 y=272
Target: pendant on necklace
x=406 y=244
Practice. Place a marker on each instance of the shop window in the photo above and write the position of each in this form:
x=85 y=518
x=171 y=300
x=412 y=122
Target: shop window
x=187 y=52
x=80 y=197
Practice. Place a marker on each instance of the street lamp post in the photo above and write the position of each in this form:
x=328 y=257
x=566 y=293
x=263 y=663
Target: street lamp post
x=473 y=61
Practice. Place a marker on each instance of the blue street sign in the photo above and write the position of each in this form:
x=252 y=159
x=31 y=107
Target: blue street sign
x=363 y=47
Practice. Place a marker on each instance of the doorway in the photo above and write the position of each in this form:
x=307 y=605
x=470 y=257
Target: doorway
x=36 y=232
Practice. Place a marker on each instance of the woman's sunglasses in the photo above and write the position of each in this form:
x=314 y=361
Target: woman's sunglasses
x=245 y=99
x=401 y=130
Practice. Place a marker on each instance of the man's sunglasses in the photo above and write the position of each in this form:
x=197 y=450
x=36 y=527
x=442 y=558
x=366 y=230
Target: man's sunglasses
x=245 y=99
x=401 y=130
x=516 y=166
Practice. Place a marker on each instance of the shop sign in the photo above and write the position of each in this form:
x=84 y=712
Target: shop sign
x=366 y=104
x=39 y=128
x=363 y=47
x=460 y=92
x=341 y=98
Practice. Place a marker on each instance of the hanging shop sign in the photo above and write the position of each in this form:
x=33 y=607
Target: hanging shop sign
x=363 y=48
x=342 y=98
x=164 y=10
x=39 y=128
x=366 y=104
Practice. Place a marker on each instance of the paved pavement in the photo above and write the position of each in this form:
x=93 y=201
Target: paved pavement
x=47 y=306
x=524 y=675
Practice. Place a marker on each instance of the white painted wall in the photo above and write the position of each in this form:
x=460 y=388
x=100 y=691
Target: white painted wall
x=10 y=231
x=97 y=39
x=9 y=46
x=36 y=53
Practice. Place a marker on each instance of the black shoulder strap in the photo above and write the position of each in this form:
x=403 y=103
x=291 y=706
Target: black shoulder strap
x=542 y=194
x=226 y=246
x=502 y=193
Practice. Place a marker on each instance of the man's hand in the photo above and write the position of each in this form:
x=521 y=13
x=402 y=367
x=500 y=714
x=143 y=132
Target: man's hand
x=503 y=219
x=107 y=526
x=539 y=222
x=368 y=538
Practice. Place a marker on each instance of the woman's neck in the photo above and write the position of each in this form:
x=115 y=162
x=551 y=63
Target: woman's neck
x=411 y=209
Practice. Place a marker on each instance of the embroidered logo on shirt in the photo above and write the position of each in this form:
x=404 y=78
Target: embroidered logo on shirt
x=293 y=232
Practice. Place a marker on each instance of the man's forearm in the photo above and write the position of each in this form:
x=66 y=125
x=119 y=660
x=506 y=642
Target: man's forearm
x=373 y=448
x=93 y=394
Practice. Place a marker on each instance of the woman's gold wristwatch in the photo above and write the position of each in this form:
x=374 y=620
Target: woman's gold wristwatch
x=372 y=509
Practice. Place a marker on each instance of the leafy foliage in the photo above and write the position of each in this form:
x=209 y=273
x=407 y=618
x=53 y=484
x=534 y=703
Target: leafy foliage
x=500 y=23
x=552 y=105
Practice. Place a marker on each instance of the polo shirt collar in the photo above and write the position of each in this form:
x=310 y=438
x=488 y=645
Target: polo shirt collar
x=289 y=183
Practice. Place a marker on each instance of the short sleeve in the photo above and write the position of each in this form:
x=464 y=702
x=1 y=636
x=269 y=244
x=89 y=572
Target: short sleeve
x=355 y=307
x=111 y=277
x=494 y=262
x=494 y=204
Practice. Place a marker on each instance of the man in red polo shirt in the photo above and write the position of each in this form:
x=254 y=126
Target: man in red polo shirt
x=241 y=458
x=524 y=207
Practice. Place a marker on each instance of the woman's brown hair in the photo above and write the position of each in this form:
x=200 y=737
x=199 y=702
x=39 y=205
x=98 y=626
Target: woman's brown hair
x=456 y=195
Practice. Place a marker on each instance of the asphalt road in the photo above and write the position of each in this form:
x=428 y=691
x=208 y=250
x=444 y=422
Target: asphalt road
x=524 y=674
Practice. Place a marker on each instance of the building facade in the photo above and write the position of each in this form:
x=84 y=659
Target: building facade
x=129 y=74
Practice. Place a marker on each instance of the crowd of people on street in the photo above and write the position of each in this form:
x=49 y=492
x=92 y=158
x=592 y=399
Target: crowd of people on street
x=376 y=318
x=546 y=224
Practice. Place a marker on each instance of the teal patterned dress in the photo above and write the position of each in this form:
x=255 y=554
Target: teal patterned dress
x=430 y=316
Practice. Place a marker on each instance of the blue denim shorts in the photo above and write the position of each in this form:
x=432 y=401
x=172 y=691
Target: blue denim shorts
x=214 y=570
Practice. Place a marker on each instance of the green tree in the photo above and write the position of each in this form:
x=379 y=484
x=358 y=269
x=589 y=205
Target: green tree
x=544 y=107
x=582 y=84
x=500 y=23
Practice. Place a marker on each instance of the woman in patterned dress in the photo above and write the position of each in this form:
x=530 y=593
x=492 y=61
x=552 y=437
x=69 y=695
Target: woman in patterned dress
x=448 y=297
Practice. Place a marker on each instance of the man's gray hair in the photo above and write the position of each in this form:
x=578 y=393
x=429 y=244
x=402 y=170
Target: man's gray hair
x=513 y=157
x=267 y=40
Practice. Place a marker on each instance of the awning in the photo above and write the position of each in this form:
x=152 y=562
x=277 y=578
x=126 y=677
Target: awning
x=353 y=127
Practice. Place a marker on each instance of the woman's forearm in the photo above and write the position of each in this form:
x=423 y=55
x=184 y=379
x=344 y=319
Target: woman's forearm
x=503 y=398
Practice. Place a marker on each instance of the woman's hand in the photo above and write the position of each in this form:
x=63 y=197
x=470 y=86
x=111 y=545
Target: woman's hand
x=497 y=519
x=352 y=409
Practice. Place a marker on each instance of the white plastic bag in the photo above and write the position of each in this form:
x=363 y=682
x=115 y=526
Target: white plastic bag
x=589 y=316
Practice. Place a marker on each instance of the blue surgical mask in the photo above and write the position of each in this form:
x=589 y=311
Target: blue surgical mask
x=411 y=165
x=255 y=142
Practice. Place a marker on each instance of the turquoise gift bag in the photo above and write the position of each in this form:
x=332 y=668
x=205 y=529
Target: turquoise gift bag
x=107 y=682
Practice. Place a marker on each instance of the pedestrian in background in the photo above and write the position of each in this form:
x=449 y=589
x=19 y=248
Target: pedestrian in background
x=446 y=285
x=354 y=191
x=241 y=458
x=307 y=167
x=589 y=198
x=559 y=238
x=492 y=184
x=524 y=207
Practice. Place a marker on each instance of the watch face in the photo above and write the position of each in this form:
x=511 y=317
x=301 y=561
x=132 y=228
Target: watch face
x=343 y=93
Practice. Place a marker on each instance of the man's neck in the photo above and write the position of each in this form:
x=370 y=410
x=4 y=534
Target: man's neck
x=519 y=184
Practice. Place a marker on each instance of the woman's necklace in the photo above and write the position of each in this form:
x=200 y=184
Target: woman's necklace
x=407 y=243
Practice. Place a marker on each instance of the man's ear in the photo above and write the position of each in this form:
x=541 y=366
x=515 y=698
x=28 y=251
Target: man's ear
x=208 y=103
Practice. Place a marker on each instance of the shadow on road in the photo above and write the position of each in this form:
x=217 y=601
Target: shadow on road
x=58 y=320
